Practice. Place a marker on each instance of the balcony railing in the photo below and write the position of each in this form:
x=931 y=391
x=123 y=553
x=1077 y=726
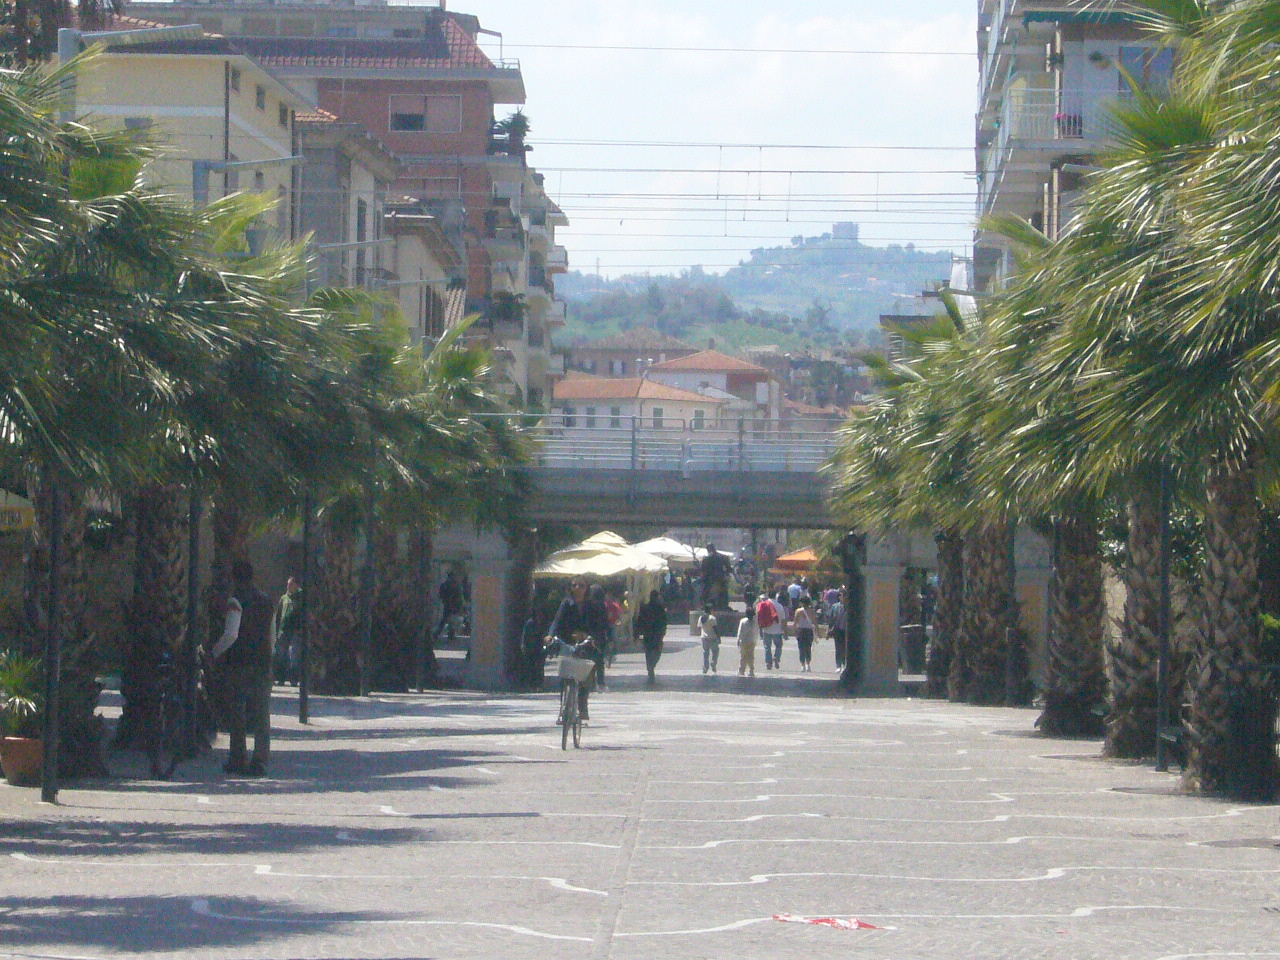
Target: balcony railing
x=1030 y=114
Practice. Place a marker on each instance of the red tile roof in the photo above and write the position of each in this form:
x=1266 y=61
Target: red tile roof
x=452 y=49
x=713 y=361
x=604 y=388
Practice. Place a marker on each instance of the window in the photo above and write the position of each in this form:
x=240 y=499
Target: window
x=235 y=79
x=590 y=418
x=259 y=181
x=569 y=420
x=342 y=32
x=657 y=418
x=699 y=419
x=615 y=417
x=617 y=367
x=403 y=34
x=284 y=115
x=432 y=114
x=260 y=97
x=1149 y=67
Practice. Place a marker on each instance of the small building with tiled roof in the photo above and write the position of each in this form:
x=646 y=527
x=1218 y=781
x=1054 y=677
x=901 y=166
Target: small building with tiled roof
x=757 y=393
x=588 y=402
x=627 y=354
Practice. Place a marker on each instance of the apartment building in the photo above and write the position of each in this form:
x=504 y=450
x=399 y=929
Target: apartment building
x=627 y=354
x=225 y=121
x=1049 y=72
x=416 y=79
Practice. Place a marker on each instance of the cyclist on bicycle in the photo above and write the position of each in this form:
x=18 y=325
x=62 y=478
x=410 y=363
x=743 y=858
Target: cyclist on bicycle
x=576 y=627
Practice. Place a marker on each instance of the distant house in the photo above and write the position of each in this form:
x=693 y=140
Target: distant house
x=628 y=354
x=594 y=403
x=749 y=391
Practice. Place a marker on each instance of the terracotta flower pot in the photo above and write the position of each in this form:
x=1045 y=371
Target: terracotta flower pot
x=22 y=760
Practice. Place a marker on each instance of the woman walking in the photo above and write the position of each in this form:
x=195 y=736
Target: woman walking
x=651 y=624
x=803 y=622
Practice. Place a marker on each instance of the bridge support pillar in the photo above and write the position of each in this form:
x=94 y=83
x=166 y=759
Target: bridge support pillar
x=882 y=576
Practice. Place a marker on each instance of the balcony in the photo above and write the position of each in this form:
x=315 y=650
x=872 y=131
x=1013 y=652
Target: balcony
x=1036 y=127
x=557 y=315
x=558 y=260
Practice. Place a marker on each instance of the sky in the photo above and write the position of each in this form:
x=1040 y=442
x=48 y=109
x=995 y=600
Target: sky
x=744 y=123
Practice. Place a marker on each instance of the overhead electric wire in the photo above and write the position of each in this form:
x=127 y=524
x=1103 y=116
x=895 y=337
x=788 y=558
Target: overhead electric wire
x=788 y=50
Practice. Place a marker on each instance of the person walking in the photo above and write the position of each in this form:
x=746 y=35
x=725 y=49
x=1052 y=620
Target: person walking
x=709 y=629
x=804 y=634
x=651 y=625
x=748 y=633
x=838 y=619
x=534 y=654
x=245 y=651
x=769 y=622
x=598 y=613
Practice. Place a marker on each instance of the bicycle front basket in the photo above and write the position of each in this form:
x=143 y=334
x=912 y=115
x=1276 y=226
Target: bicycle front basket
x=575 y=668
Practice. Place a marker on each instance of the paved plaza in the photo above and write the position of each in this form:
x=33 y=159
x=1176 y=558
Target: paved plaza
x=451 y=825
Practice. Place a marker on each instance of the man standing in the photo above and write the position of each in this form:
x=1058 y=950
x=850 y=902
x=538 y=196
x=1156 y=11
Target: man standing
x=450 y=604
x=839 y=621
x=245 y=646
x=288 y=623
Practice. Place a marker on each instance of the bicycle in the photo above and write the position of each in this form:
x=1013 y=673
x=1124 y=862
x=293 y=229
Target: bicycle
x=169 y=741
x=574 y=673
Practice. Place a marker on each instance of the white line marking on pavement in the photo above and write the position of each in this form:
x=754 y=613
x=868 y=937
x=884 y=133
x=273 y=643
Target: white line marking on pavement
x=1007 y=841
x=1003 y=818
x=1053 y=873
x=560 y=883
x=391 y=812
x=202 y=907
x=203 y=799
x=740 y=924
x=486 y=771
x=766 y=797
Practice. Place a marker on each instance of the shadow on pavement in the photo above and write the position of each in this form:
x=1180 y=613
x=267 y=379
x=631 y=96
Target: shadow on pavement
x=64 y=839
x=138 y=925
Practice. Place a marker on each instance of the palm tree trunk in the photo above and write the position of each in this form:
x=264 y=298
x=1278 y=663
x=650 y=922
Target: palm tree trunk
x=159 y=610
x=1132 y=661
x=337 y=608
x=80 y=752
x=1075 y=680
x=989 y=614
x=946 y=612
x=392 y=611
x=427 y=670
x=964 y=639
x=1231 y=745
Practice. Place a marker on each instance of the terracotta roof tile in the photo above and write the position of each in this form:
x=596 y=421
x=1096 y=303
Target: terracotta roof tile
x=604 y=388
x=711 y=360
x=453 y=49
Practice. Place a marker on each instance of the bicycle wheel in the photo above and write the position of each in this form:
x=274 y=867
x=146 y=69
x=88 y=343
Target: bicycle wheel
x=577 y=730
x=568 y=711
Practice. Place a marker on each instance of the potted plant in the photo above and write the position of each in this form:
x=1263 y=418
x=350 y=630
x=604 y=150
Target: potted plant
x=21 y=719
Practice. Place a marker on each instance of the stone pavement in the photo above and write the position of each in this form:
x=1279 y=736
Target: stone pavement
x=453 y=826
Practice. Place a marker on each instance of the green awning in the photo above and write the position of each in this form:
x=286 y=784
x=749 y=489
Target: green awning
x=1099 y=17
